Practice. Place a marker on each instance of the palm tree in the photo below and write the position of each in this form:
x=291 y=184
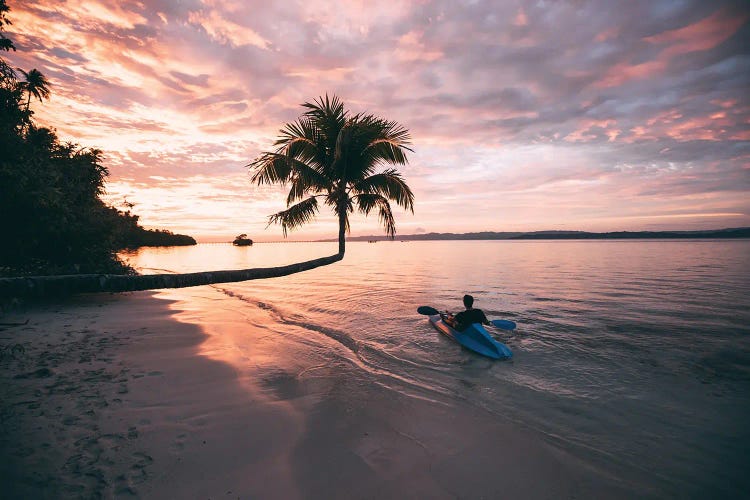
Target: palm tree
x=36 y=84
x=331 y=156
x=325 y=154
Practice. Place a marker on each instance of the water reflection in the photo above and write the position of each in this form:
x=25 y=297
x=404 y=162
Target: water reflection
x=616 y=341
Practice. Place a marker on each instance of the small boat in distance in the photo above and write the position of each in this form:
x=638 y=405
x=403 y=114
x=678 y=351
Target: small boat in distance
x=242 y=241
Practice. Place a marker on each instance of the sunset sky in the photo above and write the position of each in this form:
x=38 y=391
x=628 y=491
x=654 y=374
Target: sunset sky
x=524 y=115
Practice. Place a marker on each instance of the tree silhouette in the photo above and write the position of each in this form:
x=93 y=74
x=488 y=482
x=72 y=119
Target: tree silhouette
x=325 y=154
x=5 y=43
x=328 y=154
x=35 y=84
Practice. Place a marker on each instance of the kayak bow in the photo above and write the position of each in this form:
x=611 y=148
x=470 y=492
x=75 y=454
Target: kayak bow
x=474 y=338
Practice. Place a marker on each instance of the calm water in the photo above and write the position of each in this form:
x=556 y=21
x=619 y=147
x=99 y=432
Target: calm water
x=633 y=353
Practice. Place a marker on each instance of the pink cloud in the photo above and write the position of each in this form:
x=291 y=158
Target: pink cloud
x=608 y=34
x=225 y=31
x=521 y=19
x=703 y=35
x=624 y=72
x=410 y=47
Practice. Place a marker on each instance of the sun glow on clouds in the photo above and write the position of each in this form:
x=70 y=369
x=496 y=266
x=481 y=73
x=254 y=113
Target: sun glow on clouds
x=523 y=118
x=225 y=31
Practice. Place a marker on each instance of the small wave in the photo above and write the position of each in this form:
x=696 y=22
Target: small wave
x=724 y=365
x=366 y=356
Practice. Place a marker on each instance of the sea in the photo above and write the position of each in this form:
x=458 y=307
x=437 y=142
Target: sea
x=634 y=353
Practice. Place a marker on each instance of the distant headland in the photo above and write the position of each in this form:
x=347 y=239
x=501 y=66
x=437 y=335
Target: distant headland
x=740 y=232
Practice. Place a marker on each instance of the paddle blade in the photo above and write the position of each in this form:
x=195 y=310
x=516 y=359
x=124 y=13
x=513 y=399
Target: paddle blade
x=504 y=324
x=427 y=310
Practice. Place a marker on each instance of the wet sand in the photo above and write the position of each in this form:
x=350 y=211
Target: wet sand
x=124 y=396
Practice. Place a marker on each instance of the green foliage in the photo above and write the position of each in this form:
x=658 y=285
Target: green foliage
x=328 y=153
x=53 y=219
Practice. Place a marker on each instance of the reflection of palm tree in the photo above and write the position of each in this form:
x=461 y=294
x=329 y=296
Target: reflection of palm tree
x=329 y=155
x=324 y=154
x=36 y=85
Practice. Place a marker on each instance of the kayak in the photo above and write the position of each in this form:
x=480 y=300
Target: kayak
x=474 y=338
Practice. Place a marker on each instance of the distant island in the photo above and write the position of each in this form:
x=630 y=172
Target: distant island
x=740 y=232
x=242 y=241
x=141 y=237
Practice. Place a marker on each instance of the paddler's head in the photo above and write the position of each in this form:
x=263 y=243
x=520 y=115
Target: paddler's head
x=468 y=301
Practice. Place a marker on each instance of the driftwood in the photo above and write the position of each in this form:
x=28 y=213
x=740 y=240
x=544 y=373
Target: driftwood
x=33 y=287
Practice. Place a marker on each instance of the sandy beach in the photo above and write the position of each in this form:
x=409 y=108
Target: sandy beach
x=123 y=396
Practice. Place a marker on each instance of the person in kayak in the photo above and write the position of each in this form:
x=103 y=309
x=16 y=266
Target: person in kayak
x=464 y=319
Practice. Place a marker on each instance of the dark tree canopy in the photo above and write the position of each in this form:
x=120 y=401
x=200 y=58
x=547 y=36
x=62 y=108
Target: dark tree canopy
x=53 y=218
x=5 y=43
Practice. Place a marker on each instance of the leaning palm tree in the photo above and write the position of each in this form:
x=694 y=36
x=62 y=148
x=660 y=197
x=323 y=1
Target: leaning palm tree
x=331 y=156
x=327 y=155
x=36 y=84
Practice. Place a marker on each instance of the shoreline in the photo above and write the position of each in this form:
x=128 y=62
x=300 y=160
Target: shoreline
x=120 y=395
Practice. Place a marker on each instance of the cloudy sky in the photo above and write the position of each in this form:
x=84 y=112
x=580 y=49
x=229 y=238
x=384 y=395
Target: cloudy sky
x=524 y=115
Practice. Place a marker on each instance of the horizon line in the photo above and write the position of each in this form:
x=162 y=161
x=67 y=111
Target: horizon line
x=550 y=232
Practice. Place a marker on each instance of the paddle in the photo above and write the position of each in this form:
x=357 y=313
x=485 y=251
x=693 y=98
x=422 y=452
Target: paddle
x=499 y=323
x=427 y=310
x=505 y=324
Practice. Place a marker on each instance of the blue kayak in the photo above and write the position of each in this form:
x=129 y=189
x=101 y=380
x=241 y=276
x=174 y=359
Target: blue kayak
x=474 y=338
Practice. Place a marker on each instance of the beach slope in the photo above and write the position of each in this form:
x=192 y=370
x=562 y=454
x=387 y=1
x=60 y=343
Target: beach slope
x=117 y=395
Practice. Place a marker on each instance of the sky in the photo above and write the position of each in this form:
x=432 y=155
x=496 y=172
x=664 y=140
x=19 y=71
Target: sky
x=524 y=115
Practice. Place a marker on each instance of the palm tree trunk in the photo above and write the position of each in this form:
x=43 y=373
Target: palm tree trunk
x=342 y=234
x=50 y=286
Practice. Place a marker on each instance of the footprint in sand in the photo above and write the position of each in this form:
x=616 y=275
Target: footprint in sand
x=179 y=444
x=123 y=487
x=70 y=420
x=139 y=467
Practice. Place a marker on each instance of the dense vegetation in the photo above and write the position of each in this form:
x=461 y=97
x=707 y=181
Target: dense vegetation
x=53 y=219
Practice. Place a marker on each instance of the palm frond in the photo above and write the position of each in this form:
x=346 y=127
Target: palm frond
x=296 y=215
x=366 y=202
x=390 y=184
x=325 y=109
x=373 y=142
x=271 y=168
x=304 y=180
x=389 y=144
x=385 y=215
x=386 y=150
x=329 y=117
x=298 y=139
